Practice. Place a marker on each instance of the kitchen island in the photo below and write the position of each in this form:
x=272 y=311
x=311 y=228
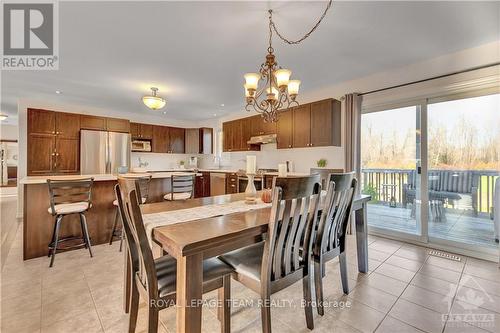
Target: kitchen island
x=38 y=223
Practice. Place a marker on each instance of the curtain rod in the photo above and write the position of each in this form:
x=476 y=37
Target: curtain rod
x=431 y=78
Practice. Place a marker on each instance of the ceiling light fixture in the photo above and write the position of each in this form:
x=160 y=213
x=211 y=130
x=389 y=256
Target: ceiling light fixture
x=278 y=92
x=3 y=116
x=58 y=92
x=154 y=102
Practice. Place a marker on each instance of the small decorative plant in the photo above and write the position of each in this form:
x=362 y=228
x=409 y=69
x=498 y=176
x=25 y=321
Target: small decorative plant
x=182 y=163
x=321 y=163
x=372 y=191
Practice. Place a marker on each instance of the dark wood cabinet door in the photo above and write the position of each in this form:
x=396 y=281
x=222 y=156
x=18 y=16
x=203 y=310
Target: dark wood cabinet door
x=40 y=154
x=236 y=136
x=67 y=125
x=231 y=183
x=135 y=130
x=177 y=140
x=226 y=136
x=256 y=125
x=117 y=125
x=324 y=115
x=268 y=128
x=41 y=122
x=92 y=122
x=285 y=130
x=146 y=131
x=67 y=155
x=206 y=143
x=302 y=126
x=160 y=143
x=246 y=133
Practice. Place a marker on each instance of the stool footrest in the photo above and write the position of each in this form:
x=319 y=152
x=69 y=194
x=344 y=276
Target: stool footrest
x=71 y=243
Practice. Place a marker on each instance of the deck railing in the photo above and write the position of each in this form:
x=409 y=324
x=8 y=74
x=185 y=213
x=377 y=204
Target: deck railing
x=385 y=184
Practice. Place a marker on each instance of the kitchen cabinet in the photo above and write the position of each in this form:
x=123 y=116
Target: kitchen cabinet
x=284 y=129
x=192 y=140
x=160 y=143
x=176 y=140
x=301 y=126
x=236 y=135
x=202 y=185
x=260 y=127
x=92 y=123
x=40 y=154
x=41 y=122
x=325 y=123
x=141 y=131
x=53 y=142
x=199 y=140
x=117 y=125
x=231 y=183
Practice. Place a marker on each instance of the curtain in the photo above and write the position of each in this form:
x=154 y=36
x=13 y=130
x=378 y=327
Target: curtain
x=351 y=105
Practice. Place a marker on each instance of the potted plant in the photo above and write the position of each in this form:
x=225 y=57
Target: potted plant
x=182 y=163
x=321 y=163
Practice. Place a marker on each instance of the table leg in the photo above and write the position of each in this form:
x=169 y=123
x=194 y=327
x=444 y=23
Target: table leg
x=362 y=238
x=189 y=293
x=127 y=276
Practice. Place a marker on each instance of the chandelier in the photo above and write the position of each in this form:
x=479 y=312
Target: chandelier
x=278 y=91
x=154 y=102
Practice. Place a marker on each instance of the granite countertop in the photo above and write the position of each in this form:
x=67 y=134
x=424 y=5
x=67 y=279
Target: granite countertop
x=99 y=177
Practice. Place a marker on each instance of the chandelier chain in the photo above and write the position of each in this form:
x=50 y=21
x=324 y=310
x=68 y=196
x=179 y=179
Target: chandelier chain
x=293 y=42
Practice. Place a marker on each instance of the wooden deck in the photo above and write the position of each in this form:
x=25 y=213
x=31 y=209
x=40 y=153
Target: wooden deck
x=458 y=225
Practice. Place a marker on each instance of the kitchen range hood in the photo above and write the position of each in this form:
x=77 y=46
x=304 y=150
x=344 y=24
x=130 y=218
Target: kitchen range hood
x=262 y=139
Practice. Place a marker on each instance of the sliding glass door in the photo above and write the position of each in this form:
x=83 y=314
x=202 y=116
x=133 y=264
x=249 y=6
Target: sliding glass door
x=464 y=151
x=431 y=169
x=390 y=160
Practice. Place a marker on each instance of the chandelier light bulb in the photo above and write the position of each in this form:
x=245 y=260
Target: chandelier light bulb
x=293 y=87
x=154 y=102
x=282 y=77
x=252 y=80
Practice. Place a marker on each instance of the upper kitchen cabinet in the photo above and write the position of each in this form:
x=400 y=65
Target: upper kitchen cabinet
x=260 y=127
x=92 y=122
x=199 y=140
x=236 y=135
x=176 y=140
x=285 y=130
x=117 y=125
x=325 y=123
x=141 y=131
x=67 y=125
x=160 y=143
x=41 y=121
x=301 y=126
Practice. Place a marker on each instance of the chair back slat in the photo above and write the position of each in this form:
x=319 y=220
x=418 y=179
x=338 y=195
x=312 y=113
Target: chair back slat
x=143 y=189
x=293 y=213
x=335 y=214
x=182 y=184
x=145 y=266
x=69 y=191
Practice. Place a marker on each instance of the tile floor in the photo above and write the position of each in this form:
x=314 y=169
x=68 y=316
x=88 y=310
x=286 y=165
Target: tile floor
x=404 y=291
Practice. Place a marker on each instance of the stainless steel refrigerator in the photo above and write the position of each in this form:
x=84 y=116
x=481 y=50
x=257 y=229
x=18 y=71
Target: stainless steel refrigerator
x=104 y=152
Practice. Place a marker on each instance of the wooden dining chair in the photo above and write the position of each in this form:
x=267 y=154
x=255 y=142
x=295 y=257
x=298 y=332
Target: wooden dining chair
x=182 y=188
x=330 y=237
x=143 y=193
x=283 y=258
x=155 y=279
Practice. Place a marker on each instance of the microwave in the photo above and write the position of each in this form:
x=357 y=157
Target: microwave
x=141 y=145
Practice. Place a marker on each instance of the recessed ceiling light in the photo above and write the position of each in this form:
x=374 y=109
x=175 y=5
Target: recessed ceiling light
x=215 y=114
x=3 y=116
x=58 y=92
x=164 y=112
x=222 y=105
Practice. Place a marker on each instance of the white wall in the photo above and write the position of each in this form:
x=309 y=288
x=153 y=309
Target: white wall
x=9 y=132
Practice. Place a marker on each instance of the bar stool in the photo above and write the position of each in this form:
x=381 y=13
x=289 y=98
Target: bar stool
x=144 y=194
x=69 y=197
x=182 y=188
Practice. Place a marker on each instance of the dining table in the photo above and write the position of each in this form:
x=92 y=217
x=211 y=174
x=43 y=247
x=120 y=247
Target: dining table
x=196 y=238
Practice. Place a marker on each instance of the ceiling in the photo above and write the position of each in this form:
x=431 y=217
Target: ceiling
x=197 y=52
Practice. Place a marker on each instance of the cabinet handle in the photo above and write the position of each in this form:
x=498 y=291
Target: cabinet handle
x=311 y=144
x=53 y=154
x=57 y=133
x=53 y=132
x=232 y=185
x=289 y=146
